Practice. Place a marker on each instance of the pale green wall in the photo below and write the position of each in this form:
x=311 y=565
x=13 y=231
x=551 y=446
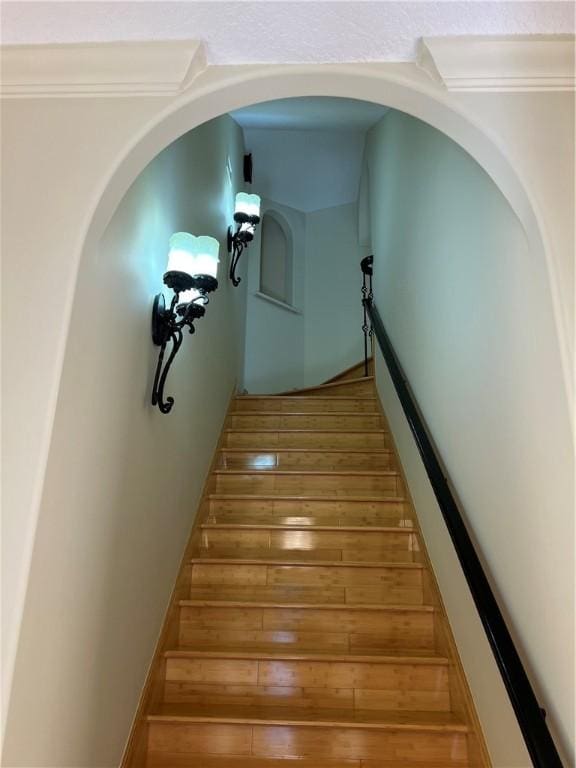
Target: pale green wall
x=467 y=306
x=274 y=350
x=325 y=337
x=123 y=480
x=333 y=314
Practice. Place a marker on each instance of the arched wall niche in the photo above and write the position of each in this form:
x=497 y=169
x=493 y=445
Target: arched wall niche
x=275 y=218
x=233 y=88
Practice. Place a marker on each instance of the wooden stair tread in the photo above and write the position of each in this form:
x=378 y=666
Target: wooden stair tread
x=250 y=761
x=298 y=527
x=177 y=760
x=280 y=449
x=306 y=413
x=305 y=397
x=328 y=718
x=307 y=497
x=411 y=657
x=334 y=519
x=359 y=366
x=314 y=524
x=321 y=430
x=306 y=564
x=306 y=521
x=309 y=606
x=326 y=386
x=310 y=472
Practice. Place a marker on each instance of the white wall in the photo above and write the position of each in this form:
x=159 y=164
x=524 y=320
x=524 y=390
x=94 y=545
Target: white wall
x=39 y=269
x=274 y=350
x=333 y=310
x=468 y=309
x=123 y=480
x=548 y=149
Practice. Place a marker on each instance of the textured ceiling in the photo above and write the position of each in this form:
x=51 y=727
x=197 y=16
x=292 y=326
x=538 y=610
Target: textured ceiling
x=281 y=32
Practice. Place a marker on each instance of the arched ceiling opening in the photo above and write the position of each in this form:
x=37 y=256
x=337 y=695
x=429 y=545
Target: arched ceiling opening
x=394 y=87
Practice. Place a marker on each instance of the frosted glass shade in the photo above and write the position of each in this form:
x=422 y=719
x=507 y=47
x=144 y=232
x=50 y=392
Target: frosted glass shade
x=187 y=296
x=247 y=205
x=193 y=255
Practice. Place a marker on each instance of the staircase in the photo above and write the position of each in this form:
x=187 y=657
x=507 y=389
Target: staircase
x=306 y=629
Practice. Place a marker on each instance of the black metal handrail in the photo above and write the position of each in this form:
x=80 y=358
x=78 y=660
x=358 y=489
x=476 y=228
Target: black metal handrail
x=530 y=716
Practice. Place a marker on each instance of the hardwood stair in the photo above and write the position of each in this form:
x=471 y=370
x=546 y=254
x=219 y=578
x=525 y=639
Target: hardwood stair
x=306 y=629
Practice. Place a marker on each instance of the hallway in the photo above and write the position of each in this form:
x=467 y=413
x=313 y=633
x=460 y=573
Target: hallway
x=437 y=137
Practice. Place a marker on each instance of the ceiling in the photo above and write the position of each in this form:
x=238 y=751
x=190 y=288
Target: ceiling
x=281 y=32
x=306 y=170
x=316 y=113
x=308 y=151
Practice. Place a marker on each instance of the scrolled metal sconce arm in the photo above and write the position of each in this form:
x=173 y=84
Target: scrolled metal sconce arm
x=246 y=216
x=239 y=240
x=168 y=325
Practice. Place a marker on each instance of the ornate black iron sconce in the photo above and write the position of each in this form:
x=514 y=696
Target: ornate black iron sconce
x=246 y=216
x=191 y=274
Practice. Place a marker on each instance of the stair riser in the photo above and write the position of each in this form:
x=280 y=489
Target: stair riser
x=309 y=555
x=306 y=460
x=368 y=520
x=302 y=512
x=319 y=439
x=357 y=630
x=258 y=640
x=355 y=372
x=303 y=539
x=304 y=405
x=347 y=389
x=260 y=483
x=305 y=421
x=309 y=545
x=393 y=585
x=206 y=694
x=322 y=743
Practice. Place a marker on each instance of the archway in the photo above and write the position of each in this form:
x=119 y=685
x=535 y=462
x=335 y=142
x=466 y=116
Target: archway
x=419 y=97
x=276 y=257
x=221 y=91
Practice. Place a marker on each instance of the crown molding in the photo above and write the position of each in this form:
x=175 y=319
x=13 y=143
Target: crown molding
x=506 y=64
x=102 y=69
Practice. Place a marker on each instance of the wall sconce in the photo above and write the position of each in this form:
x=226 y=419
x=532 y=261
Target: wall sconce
x=191 y=274
x=246 y=216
